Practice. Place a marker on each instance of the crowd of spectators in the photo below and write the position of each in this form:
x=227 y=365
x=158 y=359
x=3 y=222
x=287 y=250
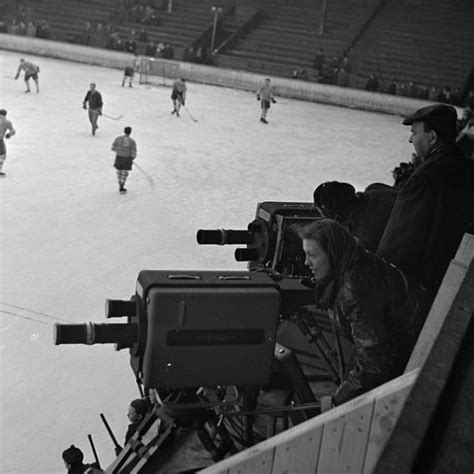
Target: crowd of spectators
x=146 y=12
x=419 y=91
x=197 y=55
x=23 y=22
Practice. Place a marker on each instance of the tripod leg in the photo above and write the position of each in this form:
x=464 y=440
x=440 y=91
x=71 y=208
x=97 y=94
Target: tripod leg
x=291 y=368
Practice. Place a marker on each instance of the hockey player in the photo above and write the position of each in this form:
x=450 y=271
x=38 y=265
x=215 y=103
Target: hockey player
x=6 y=131
x=126 y=150
x=94 y=99
x=265 y=95
x=129 y=72
x=178 y=95
x=31 y=71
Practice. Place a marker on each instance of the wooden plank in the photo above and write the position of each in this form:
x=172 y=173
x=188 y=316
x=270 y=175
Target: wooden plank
x=344 y=442
x=259 y=463
x=310 y=426
x=465 y=251
x=437 y=315
x=386 y=413
x=299 y=454
x=400 y=453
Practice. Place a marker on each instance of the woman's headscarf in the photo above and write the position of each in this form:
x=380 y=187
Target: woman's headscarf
x=341 y=249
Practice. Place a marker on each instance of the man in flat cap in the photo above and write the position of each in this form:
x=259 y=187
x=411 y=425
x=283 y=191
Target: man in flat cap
x=435 y=207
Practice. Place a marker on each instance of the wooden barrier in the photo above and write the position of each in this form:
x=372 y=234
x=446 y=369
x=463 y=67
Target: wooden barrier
x=352 y=437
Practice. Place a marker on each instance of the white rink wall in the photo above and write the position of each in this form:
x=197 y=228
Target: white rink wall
x=324 y=93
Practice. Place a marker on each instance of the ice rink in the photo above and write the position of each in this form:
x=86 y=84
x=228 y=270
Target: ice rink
x=69 y=240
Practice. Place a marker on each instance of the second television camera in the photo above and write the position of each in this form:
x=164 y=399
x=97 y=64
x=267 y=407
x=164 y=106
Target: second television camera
x=271 y=242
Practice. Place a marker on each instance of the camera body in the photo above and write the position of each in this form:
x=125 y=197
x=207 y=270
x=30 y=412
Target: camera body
x=206 y=328
x=271 y=241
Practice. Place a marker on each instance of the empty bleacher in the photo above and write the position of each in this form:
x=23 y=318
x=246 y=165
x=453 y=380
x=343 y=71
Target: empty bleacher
x=428 y=43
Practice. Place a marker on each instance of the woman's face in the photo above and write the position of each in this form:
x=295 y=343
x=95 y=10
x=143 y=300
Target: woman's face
x=316 y=259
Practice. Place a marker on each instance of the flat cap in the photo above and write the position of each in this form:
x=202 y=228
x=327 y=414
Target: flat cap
x=439 y=116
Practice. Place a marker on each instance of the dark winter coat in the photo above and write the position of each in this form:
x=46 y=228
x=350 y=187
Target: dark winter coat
x=372 y=303
x=94 y=99
x=432 y=212
x=370 y=213
x=132 y=427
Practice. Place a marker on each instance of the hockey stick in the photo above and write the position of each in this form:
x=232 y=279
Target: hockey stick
x=105 y=115
x=150 y=180
x=189 y=113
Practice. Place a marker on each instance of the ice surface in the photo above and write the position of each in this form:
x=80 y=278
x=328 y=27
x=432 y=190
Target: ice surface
x=69 y=240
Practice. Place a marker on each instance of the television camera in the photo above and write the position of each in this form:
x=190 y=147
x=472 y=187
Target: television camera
x=192 y=335
x=271 y=242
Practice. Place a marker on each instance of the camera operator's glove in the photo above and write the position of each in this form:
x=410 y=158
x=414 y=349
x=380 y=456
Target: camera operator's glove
x=258 y=97
x=100 y=112
x=274 y=101
x=7 y=135
x=182 y=102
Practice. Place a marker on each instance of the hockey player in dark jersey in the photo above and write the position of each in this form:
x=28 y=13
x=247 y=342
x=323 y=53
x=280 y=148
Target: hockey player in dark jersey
x=31 y=72
x=129 y=72
x=178 y=95
x=126 y=150
x=94 y=99
x=265 y=95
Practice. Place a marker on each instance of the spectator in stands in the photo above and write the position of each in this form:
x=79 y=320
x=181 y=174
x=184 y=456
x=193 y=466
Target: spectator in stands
x=148 y=14
x=43 y=30
x=469 y=101
x=393 y=87
x=434 y=208
x=412 y=90
x=86 y=33
x=199 y=55
x=143 y=36
x=363 y=214
x=13 y=27
x=424 y=93
x=368 y=300
x=346 y=65
x=100 y=35
x=151 y=49
x=372 y=83
x=30 y=30
x=28 y=15
x=456 y=98
x=130 y=43
x=190 y=55
x=159 y=49
x=168 y=52
x=300 y=74
x=445 y=95
x=465 y=118
x=434 y=93
x=318 y=62
x=342 y=77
